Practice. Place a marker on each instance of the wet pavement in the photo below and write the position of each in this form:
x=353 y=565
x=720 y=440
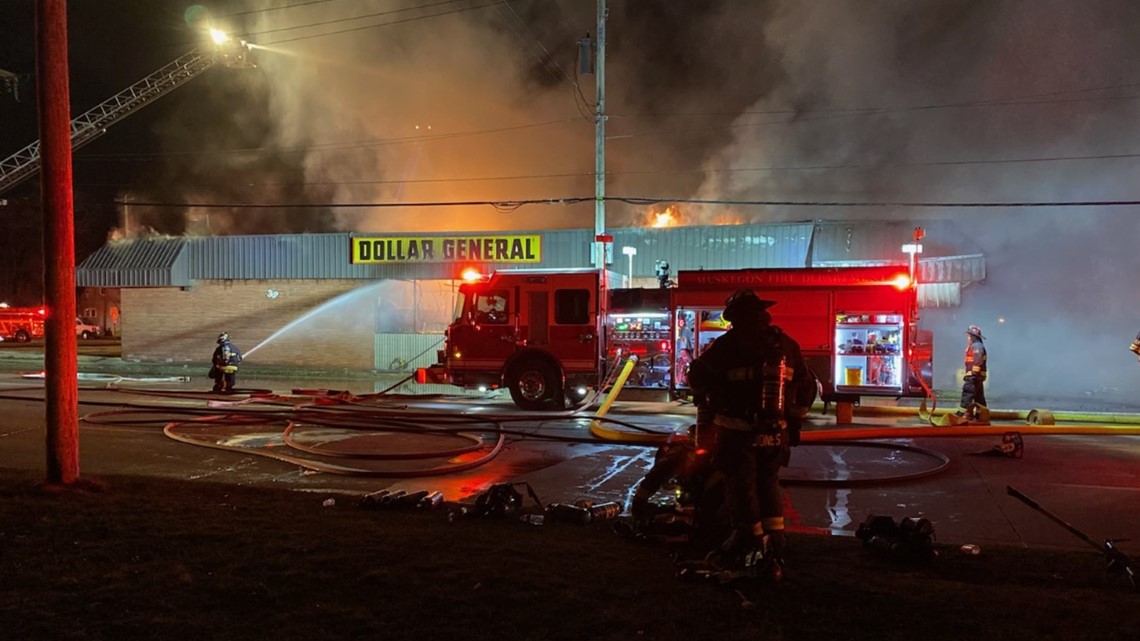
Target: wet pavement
x=959 y=483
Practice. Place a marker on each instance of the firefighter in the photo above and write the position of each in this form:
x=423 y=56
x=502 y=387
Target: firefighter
x=973 y=406
x=1135 y=347
x=225 y=364
x=753 y=390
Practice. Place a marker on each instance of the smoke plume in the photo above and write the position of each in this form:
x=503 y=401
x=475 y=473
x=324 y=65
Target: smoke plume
x=891 y=101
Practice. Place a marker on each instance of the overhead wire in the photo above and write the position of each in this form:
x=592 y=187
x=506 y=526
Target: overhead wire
x=511 y=205
x=382 y=24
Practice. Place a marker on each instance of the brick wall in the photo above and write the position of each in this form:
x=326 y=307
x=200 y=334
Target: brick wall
x=175 y=325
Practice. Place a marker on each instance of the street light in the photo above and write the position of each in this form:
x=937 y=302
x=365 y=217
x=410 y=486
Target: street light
x=631 y=252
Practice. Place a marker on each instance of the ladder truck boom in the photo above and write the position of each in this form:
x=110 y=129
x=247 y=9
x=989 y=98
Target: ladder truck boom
x=95 y=121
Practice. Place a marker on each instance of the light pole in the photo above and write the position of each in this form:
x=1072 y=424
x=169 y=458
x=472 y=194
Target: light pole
x=631 y=252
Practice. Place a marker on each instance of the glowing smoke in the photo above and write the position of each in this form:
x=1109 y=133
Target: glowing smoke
x=897 y=100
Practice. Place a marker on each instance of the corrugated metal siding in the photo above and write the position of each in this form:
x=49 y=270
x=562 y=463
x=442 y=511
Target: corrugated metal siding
x=405 y=352
x=327 y=256
x=939 y=294
x=177 y=262
x=136 y=263
x=712 y=247
x=952 y=269
x=879 y=240
x=860 y=241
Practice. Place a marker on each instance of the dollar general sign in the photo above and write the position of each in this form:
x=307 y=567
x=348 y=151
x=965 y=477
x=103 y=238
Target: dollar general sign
x=440 y=249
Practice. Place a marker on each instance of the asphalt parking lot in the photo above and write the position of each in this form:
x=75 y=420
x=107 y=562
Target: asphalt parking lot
x=958 y=483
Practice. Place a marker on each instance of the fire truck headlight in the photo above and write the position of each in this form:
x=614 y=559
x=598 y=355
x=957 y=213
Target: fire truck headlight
x=581 y=392
x=901 y=282
x=482 y=388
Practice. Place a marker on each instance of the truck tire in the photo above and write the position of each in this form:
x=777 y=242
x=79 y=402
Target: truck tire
x=22 y=336
x=85 y=335
x=536 y=384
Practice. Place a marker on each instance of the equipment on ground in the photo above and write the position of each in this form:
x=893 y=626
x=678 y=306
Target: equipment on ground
x=1012 y=446
x=1115 y=560
x=911 y=539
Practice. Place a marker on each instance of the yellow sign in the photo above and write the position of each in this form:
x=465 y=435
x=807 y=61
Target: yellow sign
x=440 y=249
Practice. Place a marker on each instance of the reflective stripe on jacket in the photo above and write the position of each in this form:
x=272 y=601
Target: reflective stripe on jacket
x=975 y=357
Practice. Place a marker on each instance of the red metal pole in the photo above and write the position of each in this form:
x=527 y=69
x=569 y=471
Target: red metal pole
x=60 y=354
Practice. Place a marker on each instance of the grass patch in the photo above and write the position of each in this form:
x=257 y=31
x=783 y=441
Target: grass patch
x=159 y=559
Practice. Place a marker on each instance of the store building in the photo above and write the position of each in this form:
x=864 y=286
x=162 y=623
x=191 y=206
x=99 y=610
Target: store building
x=381 y=301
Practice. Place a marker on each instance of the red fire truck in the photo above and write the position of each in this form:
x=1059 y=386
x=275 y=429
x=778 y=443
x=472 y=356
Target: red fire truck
x=21 y=324
x=548 y=335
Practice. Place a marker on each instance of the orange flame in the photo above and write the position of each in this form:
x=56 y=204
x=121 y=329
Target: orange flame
x=727 y=219
x=671 y=217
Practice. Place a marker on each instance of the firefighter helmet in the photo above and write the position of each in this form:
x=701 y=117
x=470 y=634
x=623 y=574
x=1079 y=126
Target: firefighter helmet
x=974 y=330
x=743 y=303
x=223 y=337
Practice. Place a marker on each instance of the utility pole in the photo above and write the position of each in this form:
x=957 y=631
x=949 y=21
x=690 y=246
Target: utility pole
x=61 y=381
x=600 y=143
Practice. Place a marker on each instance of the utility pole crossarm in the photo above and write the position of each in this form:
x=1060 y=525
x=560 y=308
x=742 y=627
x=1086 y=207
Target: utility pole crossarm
x=95 y=121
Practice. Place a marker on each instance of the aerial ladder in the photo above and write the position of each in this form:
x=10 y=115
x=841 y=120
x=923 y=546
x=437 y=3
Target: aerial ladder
x=95 y=121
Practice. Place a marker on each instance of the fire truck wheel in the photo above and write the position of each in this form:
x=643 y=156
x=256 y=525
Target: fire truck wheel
x=22 y=336
x=536 y=385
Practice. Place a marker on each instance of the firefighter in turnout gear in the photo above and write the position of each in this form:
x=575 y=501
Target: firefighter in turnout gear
x=973 y=406
x=225 y=364
x=753 y=391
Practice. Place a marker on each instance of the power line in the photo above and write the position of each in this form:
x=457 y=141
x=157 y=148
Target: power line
x=333 y=146
x=1026 y=99
x=668 y=172
x=382 y=24
x=822 y=116
x=457 y=203
x=342 y=20
x=278 y=8
x=514 y=204
x=841 y=203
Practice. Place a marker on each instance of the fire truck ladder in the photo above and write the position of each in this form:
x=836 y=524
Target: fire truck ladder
x=94 y=122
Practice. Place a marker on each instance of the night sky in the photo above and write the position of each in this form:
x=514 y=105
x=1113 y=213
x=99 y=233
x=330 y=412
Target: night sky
x=889 y=101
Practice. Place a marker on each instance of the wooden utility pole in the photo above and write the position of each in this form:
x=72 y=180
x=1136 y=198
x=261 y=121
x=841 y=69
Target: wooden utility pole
x=60 y=354
x=600 y=142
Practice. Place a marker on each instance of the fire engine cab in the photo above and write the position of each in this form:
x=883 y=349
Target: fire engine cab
x=536 y=332
x=21 y=324
x=547 y=335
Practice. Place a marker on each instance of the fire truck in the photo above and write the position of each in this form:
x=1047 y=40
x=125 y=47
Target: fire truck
x=21 y=324
x=549 y=335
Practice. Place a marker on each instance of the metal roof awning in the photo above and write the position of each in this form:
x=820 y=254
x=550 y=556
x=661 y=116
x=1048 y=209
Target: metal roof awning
x=136 y=263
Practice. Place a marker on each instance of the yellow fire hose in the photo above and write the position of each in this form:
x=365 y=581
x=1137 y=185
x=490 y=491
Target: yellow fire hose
x=1040 y=422
x=1033 y=416
x=608 y=434
x=862 y=433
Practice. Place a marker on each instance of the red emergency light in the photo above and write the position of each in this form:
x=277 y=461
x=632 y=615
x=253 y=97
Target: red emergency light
x=901 y=282
x=471 y=275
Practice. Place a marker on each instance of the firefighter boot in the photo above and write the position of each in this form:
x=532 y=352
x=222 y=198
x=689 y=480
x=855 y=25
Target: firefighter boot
x=773 y=545
x=981 y=415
